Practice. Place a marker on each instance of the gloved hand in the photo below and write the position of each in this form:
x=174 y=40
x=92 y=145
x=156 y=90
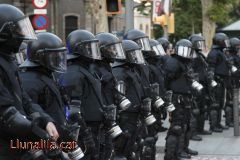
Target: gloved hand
x=88 y=140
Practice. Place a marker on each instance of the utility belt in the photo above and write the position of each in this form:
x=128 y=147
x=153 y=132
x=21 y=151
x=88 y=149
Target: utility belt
x=183 y=99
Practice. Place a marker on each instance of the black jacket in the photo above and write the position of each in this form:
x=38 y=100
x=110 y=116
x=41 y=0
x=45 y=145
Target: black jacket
x=43 y=91
x=13 y=94
x=134 y=89
x=178 y=75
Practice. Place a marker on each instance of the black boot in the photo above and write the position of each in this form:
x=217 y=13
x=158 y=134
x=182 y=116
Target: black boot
x=223 y=127
x=216 y=129
x=196 y=138
x=214 y=121
x=229 y=116
x=191 y=152
x=184 y=155
x=205 y=132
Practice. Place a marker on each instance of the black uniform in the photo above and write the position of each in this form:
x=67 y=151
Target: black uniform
x=93 y=84
x=205 y=101
x=219 y=64
x=12 y=94
x=43 y=90
x=178 y=81
x=129 y=119
x=15 y=105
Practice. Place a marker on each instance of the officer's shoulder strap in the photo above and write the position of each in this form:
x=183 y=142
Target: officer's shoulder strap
x=96 y=85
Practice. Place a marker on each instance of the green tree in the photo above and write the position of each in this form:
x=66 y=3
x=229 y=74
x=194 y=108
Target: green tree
x=194 y=16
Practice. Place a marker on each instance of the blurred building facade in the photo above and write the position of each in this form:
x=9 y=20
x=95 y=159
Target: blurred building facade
x=65 y=16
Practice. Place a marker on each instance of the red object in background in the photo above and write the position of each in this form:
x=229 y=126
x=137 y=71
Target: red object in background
x=158 y=7
x=40 y=4
x=40 y=22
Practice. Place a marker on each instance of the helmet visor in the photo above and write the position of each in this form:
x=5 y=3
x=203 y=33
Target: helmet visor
x=159 y=51
x=135 y=56
x=23 y=29
x=227 y=43
x=200 y=45
x=115 y=51
x=185 y=52
x=144 y=43
x=54 y=59
x=89 y=49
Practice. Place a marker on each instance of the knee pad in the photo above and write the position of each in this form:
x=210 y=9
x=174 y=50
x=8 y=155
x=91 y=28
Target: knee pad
x=171 y=147
x=176 y=130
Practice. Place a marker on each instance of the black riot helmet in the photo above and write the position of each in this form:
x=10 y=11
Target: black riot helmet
x=235 y=45
x=47 y=51
x=156 y=48
x=83 y=43
x=183 y=49
x=220 y=40
x=198 y=42
x=140 y=38
x=14 y=28
x=164 y=42
x=133 y=52
x=110 y=47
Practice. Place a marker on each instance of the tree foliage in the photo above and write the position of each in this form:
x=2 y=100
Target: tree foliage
x=188 y=16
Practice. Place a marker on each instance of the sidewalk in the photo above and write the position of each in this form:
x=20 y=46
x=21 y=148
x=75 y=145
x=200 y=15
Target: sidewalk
x=218 y=146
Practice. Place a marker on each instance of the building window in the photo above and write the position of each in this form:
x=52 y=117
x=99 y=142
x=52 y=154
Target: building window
x=71 y=24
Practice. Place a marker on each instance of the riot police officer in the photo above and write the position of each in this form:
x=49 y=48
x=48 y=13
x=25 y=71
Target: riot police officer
x=220 y=64
x=90 y=81
x=233 y=83
x=205 y=100
x=131 y=119
x=150 y=85
x=167 y=46
x=16 y=108
x=46 y=55
x=235 y=53
x=111 y=50
x=179 y=79
x=156 y=74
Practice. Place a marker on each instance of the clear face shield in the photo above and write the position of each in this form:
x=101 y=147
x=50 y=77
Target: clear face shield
x=89 y=48
x=54 y=59
x=200 y=45
x=24 y=30
x=135 y=56
x=20 y=29
x=185 y=52
x=227 y=43
x=144 y=43
x=115 y=51
x=158 y=49
x=170 y=49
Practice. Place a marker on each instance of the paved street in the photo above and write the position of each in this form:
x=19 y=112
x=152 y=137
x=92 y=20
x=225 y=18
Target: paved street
x=219 y=146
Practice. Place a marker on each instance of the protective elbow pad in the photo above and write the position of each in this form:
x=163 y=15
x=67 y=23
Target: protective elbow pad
x=15 y=123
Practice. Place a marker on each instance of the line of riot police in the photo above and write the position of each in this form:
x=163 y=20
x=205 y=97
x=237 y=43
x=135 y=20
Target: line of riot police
x=108 y=95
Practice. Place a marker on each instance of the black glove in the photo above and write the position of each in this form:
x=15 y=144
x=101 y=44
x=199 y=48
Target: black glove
x=87 y=141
